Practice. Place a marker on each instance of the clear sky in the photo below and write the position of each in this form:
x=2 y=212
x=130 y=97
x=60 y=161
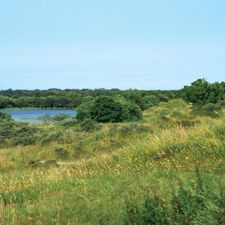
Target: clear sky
x=147 y=44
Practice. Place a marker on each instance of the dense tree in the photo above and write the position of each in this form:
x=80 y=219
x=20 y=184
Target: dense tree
x=84 y=110
x=201 y=92
x=106 y=109
x=109 y=109
x=135 y=97
x=6 y=102
x=150 y=100
x=131 y=111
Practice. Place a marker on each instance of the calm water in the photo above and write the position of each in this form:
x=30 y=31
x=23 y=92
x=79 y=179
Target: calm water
x=29 y=115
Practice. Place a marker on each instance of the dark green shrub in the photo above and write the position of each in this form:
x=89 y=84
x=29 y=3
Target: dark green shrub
x=150 y=101
x=60 y=117
x=89 y=125
x=25 y=135
x=6 y=102
x=153 y=211
x=45 y=139
x=29 y=140
x=211 y=109
x=220 y=214
x=5 y=117
x=131 y=111
x=133 y=215
x=84 y=110
x=186 y=206
x=135 y=97
x=108 y=109
x=7 y=131
x=201 y=93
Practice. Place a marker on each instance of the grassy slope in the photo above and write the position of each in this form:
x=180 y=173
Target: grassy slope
x=115 y=165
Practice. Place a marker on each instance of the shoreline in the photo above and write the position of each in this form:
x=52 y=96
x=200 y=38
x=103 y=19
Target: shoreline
x=30 y=108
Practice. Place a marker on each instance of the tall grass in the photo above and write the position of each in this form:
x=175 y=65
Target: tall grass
x=158 y=171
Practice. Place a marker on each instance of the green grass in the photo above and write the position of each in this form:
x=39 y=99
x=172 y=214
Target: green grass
x=156 y=171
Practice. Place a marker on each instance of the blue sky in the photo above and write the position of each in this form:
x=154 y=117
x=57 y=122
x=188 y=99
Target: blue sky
x=145 y=44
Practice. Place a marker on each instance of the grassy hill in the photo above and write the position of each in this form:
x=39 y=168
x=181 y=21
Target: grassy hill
x=168 y=168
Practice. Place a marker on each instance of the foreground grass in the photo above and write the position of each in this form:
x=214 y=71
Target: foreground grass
x=167 y=169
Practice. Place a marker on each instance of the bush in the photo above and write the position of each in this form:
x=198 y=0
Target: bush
x=29 y=140
x=89 y=125
x=150 y=101
x=185 y=207
x=60 y=117
x=45 y=139
x=153 y=212
x=19 y=134
x=107 y=109
x=5 y=117
x=211 y=109
x=201 y=92
x=84 y=110
x=131 y=111
x=135 y=97
x=6 y=102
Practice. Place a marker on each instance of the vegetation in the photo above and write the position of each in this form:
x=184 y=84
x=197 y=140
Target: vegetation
x=56 y=98
x=107 y=109
x=164 y=168
x=4 y=117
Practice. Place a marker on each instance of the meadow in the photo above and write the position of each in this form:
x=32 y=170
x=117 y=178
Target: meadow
x=167 y=168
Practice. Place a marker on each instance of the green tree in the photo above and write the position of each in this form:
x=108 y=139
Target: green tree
x=135 y=97
x=109 y=109
x=6 y=102
x=131 y=111
x=84 y=110
x=5 y=117
x=106 y=109
x=151 y=100
x=201 y=92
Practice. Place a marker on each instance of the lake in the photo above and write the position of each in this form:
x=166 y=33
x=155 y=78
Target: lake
x=32 y=115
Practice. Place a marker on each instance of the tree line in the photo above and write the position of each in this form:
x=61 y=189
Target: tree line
x=201 y=93
x=116 y=105
x=72 y=98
